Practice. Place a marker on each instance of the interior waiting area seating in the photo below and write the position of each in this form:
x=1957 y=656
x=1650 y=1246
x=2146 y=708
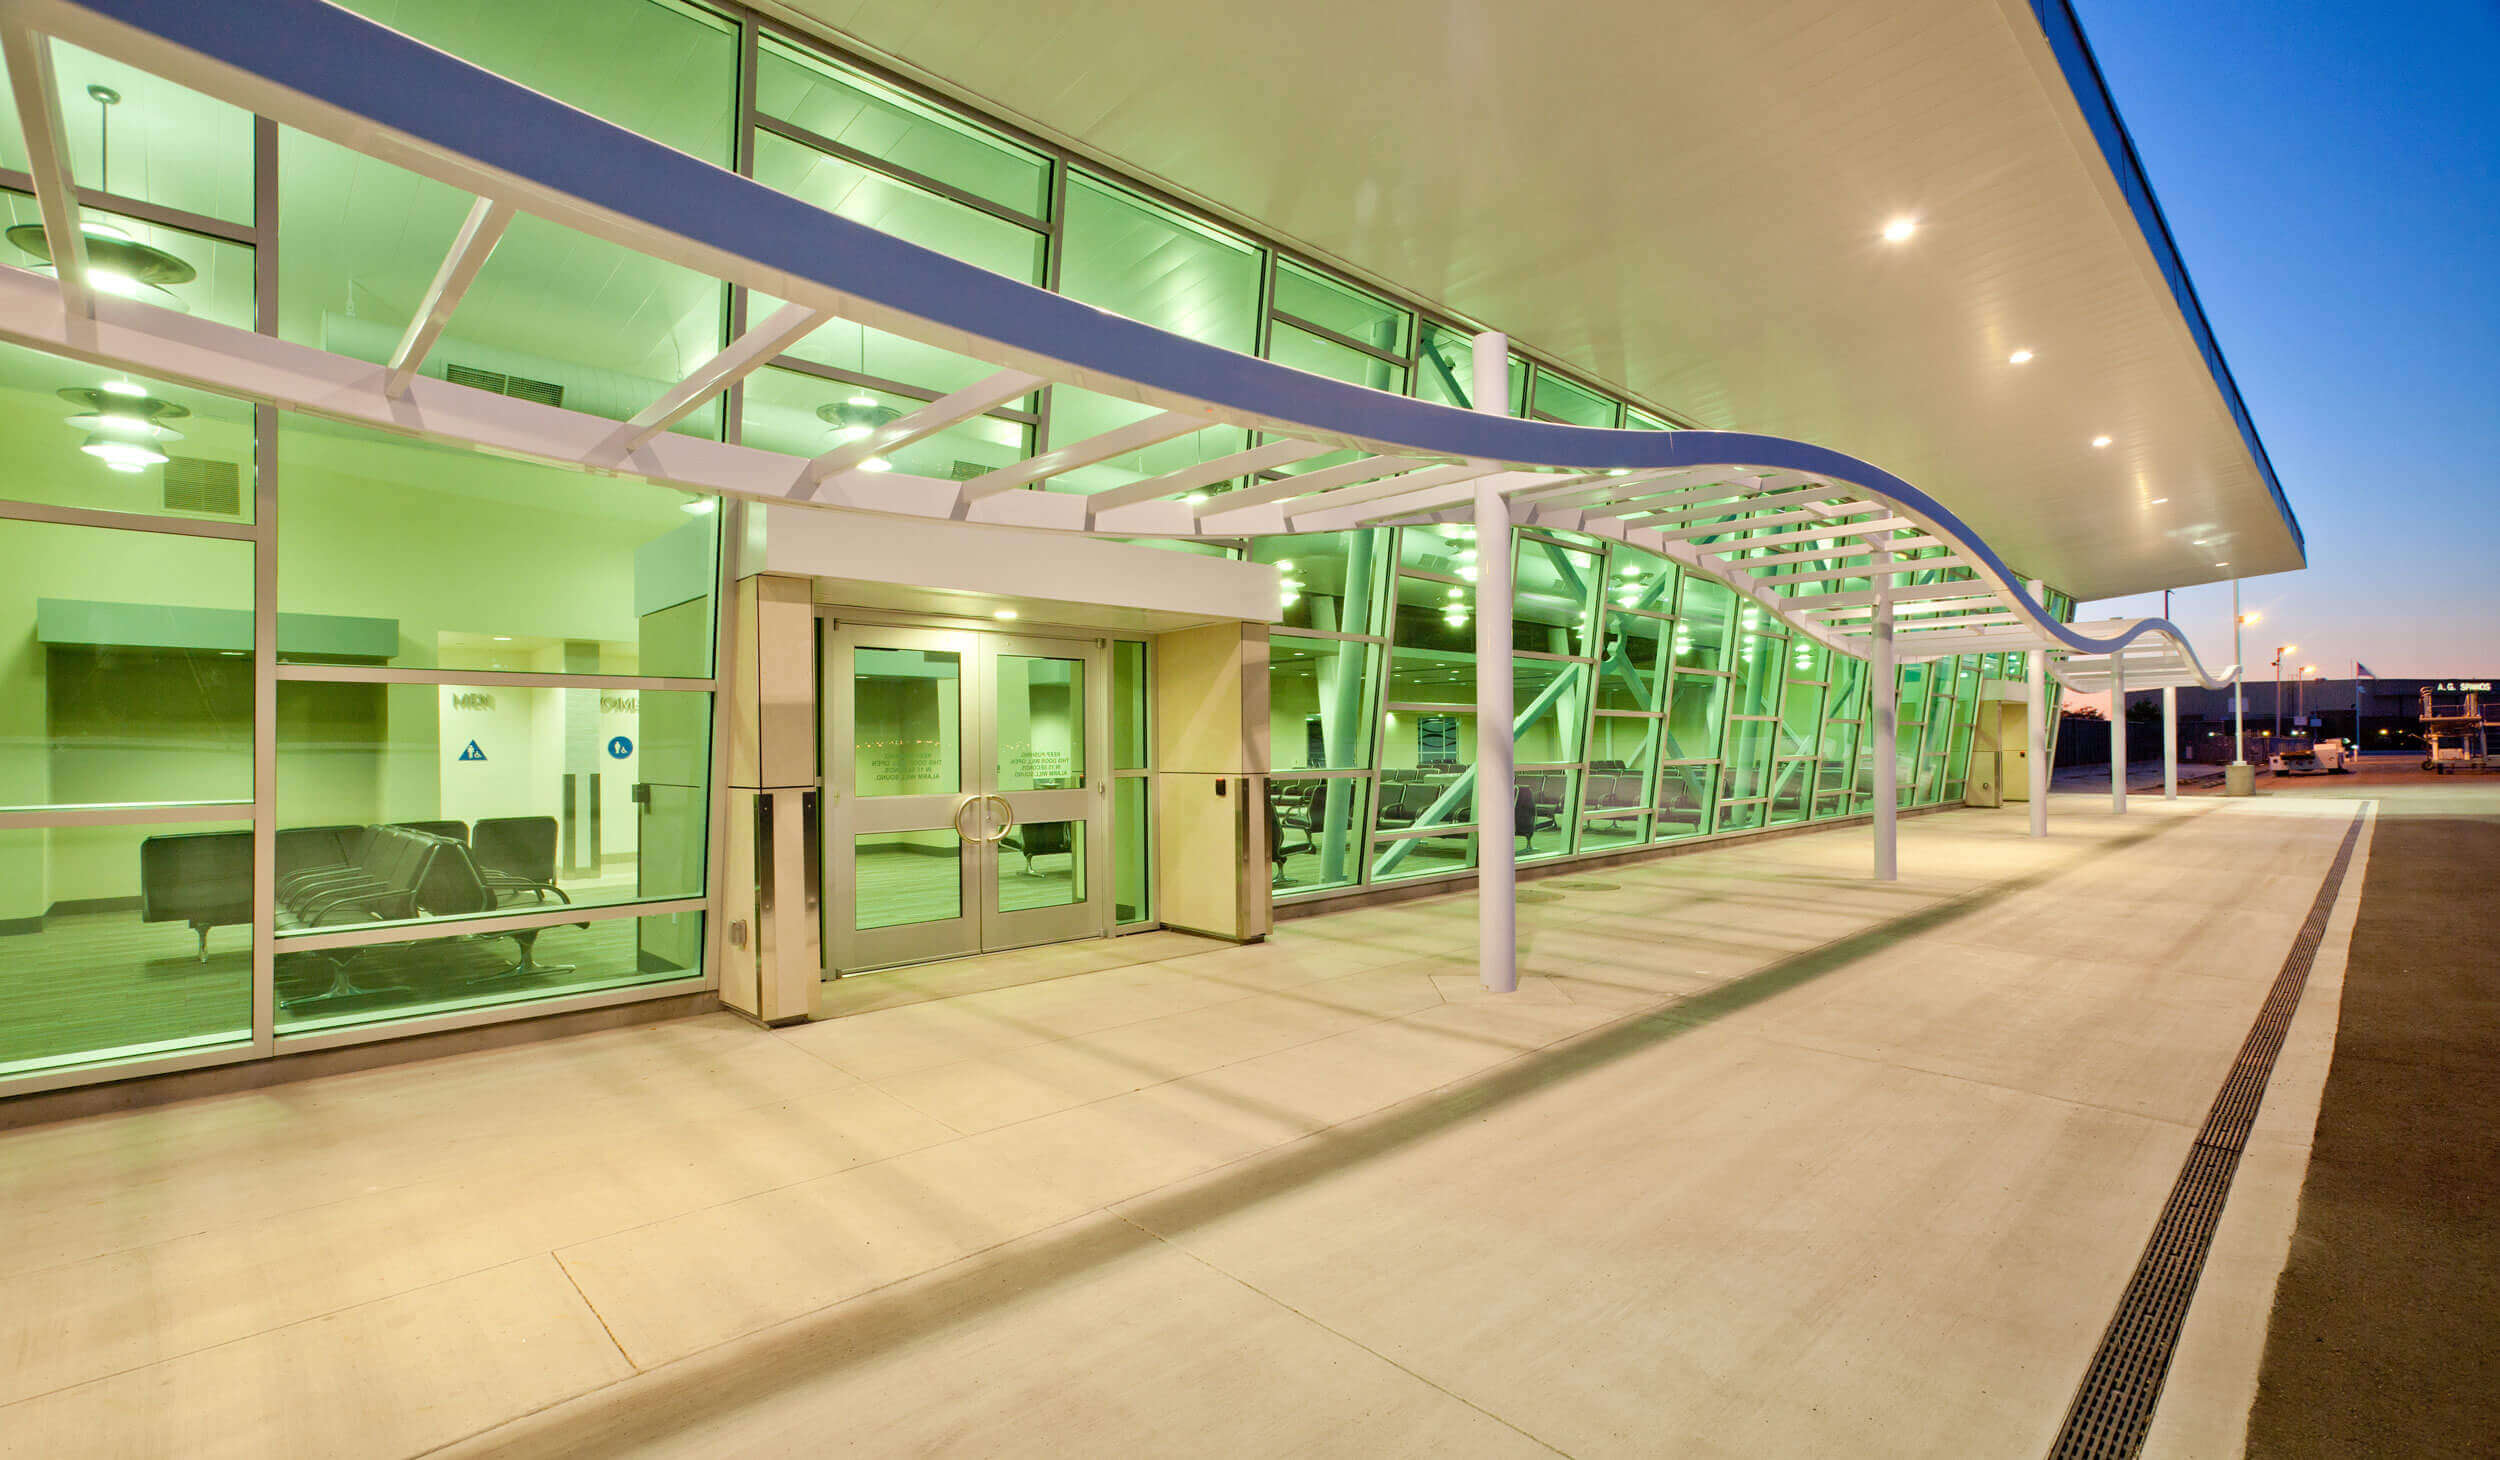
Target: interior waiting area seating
x=343 y=876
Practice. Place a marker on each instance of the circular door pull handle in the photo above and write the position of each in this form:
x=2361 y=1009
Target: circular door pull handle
x=1007 y=813
x=966 y=805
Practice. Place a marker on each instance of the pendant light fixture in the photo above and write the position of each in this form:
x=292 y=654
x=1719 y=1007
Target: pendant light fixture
x=117 y=263
x=125 y=425
x=856 y=417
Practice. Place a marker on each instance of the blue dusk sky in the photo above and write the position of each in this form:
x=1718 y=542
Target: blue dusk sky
x=2332 y=175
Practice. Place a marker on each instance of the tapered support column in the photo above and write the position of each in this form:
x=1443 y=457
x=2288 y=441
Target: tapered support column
x=2036 y=759
x=1882 y=705
x=1497 y=870
x=2169 y=743
x=2118 y=732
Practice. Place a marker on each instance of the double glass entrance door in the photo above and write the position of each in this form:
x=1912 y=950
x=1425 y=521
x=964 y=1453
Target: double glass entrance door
x=967 y=779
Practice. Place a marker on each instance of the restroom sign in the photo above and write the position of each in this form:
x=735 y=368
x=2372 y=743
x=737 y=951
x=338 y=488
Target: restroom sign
x=619 y=747
x=473 y=753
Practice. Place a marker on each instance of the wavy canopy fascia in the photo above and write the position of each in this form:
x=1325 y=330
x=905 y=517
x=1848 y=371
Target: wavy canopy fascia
x=1825 y=541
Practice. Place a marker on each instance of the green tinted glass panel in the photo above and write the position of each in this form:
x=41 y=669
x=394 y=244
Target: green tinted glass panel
x=1041 y=864
x=168 y=145
x=395 y=551
x=1131 y=257
x=1340 y=307
x=904 y=877
x=128 y=677
x=1130 y=747
x=126 y=254
x=896 y=128
x=1319 y=830
x=1319 y=703
x=1443 y=373
x=447 y=975
x=1040 y=724
x=561 y=318
x=891 y=205
x=120 y=442
x=1553 y=591
x=807 y=415
x=666 y=70
x=1303 y=350
x=1695 y=709
x=1627 y=671
x=1557 y=399
x=1132 y=852
x=532 y=798
x=123 y=942
x=1325 y=581
x=907 y=722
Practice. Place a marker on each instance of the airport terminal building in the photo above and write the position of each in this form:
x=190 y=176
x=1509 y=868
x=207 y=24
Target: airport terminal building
x=522 y=509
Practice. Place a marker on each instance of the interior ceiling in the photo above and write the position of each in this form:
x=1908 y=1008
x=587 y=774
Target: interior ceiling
x=1687 y=202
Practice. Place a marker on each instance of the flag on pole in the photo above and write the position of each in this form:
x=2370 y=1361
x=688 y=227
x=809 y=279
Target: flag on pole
x=2361 y=670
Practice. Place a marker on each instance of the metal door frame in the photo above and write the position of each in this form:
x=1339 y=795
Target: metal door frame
x=974 y=812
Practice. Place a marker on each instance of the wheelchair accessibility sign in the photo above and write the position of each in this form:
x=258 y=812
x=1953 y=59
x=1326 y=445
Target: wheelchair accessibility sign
x=619 y=747
x=473 y=753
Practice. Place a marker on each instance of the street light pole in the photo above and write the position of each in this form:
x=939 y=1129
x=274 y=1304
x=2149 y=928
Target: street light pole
x=2239 y=682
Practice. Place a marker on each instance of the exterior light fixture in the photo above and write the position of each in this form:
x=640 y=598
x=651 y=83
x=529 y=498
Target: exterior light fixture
x=1004 y=614
x=2019 y=357
x=117 y=263
x=2100 y=441
x=699 y=507
x=2157 y=501
x=1900 y=229
x=876 y=463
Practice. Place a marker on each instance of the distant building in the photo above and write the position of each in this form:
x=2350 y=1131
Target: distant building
x=2387 y=709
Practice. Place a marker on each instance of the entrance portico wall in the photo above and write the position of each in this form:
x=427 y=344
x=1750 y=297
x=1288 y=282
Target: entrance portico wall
x=1205 y=622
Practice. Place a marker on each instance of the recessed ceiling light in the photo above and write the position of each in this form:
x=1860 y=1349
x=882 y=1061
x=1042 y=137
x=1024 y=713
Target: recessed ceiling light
x=1003 y=614
x=2157 y=501
x=2019 y=357
x=1900 y=229
x=2222 y=565
x=876 y=463
x=503 y=638
x=698 y=507
x=2100 y=441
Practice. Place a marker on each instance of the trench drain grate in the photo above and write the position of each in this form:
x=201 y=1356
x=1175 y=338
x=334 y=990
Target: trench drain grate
x=2113 y=1407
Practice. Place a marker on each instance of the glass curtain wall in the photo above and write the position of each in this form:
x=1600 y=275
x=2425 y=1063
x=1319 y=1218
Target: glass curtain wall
x=438 y=687
x=426 y=735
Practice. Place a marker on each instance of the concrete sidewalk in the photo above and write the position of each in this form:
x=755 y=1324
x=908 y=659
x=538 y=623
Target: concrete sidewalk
x=1763 y=1159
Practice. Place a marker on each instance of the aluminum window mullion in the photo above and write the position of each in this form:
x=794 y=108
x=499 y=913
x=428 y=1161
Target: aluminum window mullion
x=493 y=678
x=118 y=521
x=264 y=603
x=790 y=131
x=1334 y=337
x=147 y=212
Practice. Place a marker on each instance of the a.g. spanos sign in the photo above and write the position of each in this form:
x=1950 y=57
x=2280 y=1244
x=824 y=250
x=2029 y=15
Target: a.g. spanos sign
x=2460 y=686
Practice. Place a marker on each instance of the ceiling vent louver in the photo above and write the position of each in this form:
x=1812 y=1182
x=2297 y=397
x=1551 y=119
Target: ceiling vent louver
x=195 y=484
x=519 y=387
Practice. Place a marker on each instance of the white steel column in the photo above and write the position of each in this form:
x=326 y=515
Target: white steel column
x=2169 y=743
x=1497 y=871
x=2036 y=761
x=2118 y=731
x=1883 y=693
